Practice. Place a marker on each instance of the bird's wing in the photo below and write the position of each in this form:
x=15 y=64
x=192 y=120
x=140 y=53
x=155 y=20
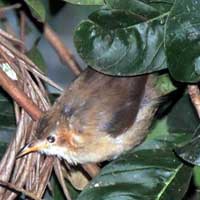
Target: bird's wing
x=100 y=103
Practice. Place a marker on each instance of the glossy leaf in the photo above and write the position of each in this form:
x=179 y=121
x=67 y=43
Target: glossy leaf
x=119 y=49
x=86 y=2
x=150 y=172
x=114 y=19
x=144 y=8
x=37 y=8
x=190 y=152
x=184 y=118
x=134 y=6
x=182 y=41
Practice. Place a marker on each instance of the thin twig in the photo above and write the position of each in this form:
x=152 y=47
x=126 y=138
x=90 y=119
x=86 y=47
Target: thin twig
x=11 y=7
x=18 y=189
x=194 y=93
x=10 y=37
x=45 y=173
x=64 y=53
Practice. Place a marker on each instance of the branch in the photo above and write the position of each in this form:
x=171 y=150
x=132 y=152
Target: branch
x=19 y=96
x=194 y=93
x=62 y=51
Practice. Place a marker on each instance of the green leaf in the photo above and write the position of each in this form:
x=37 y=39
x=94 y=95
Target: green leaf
x=58 y=192
x=164 y=84
x=145 y=8
x=125 y=50
x=134 y=6
x=196 y=173
x=190 y=152
x=183 y=117
x=161 y=6
x=35 y=55
x=150 y=172
x=86 y=2
x=182 y=41
x=37 y=8
x=113 y=19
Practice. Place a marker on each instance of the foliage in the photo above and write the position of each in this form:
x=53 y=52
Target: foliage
x=134 y=37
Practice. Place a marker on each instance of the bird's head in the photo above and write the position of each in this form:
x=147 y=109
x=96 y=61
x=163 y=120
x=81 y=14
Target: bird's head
x=54 y=138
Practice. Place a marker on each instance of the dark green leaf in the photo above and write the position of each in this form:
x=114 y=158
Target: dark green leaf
x=113 y=19
x=190 y=152
x=144 y=8
x=182 y=41
x=5 y=2
x=142 y=174
x=183 y=117
x=161 y=6
x=134 y=6
x=37 y=8
x=86 y=2
x=55 y=6
x=132 y=50
x=35 y=55
x=57 y=190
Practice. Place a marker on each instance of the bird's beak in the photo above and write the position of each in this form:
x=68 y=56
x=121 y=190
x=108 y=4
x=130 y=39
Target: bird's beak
x=31 y=147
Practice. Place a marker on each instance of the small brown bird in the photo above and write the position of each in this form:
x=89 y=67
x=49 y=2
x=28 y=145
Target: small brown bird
x=97 y=118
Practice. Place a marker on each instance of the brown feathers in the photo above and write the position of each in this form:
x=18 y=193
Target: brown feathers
x=98 y=117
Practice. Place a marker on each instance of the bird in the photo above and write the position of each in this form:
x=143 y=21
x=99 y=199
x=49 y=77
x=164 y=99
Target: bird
x=97 y=118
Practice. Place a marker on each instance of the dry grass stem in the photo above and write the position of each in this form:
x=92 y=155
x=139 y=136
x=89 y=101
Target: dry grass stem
x=17 y=189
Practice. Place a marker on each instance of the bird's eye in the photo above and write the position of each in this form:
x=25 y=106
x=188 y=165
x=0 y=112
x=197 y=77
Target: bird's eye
x=51 y=139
